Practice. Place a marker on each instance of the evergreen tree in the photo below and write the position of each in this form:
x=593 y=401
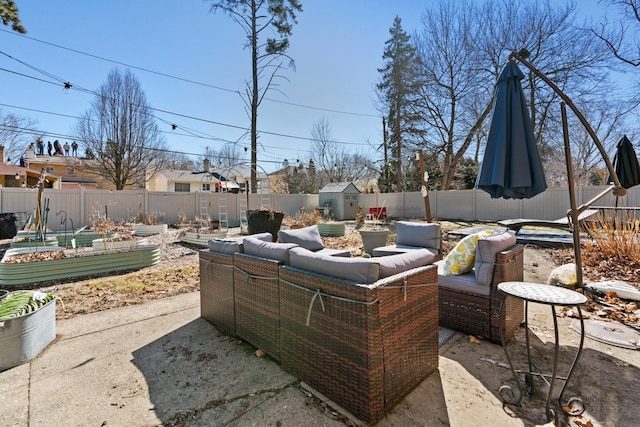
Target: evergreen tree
x=396 y=90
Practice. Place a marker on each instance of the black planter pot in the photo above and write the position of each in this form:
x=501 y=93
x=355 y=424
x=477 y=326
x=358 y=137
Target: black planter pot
x=260 y=221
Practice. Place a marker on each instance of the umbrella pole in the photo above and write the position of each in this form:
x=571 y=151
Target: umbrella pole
x=573 y=213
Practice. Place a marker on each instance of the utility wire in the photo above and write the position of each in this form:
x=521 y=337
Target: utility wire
x=69 y=86
x=187 y=80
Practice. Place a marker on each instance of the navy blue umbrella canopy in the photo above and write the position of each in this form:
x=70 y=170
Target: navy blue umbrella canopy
x=626 y=164
x=511 y=167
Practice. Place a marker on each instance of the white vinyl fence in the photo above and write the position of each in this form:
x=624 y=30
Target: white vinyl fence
x=77 y=205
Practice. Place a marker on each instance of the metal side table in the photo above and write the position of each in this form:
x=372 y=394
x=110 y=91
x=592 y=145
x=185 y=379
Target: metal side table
x=553 y=296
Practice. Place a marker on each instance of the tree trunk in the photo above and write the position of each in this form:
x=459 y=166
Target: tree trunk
x=254 y=99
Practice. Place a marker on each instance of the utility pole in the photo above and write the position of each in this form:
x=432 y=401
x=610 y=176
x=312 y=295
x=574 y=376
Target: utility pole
x=385 y=137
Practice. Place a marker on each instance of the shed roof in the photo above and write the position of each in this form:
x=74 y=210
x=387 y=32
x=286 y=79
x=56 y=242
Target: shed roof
x=339 y=187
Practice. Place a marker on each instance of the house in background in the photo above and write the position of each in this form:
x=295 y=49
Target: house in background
x=73 y=171
x=211 y=179
x=24 y=176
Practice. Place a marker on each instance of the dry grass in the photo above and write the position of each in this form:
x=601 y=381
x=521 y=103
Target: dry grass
x=615 y=248
x=132 y=288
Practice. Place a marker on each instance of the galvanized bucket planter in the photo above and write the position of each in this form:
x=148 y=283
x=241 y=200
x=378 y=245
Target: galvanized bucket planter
x=22 y=338
x=86 y=263
x=201 y=238
x=148 y=230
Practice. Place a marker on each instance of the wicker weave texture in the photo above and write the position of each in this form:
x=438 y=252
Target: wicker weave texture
x=364 y=348
x=216 y=290
x=479 y=315
x=257 y=302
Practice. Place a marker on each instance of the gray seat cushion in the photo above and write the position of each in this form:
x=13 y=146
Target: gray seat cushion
x=400 y=249
x=463 y=282
x=358 y=270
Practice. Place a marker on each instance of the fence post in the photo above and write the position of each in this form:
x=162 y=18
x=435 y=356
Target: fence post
x=83 y=208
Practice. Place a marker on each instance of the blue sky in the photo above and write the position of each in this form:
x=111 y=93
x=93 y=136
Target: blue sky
x=337 y=46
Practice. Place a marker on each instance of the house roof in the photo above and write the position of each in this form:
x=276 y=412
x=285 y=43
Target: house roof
x=60 y=160
x=337 y=187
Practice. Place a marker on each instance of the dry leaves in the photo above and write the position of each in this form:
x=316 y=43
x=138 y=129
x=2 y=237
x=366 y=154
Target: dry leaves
x=473 y=340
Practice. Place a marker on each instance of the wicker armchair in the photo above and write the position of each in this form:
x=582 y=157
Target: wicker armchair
x=467 y=310
x=363 y=346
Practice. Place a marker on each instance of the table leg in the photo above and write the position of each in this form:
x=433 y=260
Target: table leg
x=575 y=404
x=506 y=392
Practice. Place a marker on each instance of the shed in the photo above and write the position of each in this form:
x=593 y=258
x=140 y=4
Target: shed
x=341 y=199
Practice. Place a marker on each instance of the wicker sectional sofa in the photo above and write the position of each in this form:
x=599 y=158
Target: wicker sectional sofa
x=361 y=331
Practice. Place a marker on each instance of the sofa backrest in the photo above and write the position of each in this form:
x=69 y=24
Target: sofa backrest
x=306 y=237
x=268 y=249
x=424 y=235
x=486 y=253
x=359 y=270
x=232 y=245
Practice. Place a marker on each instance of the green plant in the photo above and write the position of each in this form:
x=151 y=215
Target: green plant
x=23 y=302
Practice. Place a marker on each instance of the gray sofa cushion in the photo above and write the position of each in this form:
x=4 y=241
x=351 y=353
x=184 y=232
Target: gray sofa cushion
x=334 y=252
x=393 y=264
x=270 y=250
x=358 y=270
x=231 y=245
x=399 y=249
x=462 y=282
x=486 y=252
x=307 y=237
x=425 y=235
x=225 y=246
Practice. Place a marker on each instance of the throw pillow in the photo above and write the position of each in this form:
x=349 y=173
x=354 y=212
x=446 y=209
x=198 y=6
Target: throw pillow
x=462 y=258
x=306 y=237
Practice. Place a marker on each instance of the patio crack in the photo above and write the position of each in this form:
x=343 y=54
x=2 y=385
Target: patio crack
x=180 y=418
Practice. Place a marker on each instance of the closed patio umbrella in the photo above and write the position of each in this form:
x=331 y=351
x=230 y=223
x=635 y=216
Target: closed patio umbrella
x=626 y=164
x=511 y=167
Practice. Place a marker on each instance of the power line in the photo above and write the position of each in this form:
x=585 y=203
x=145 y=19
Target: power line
x=68 y=85
x=184 y=79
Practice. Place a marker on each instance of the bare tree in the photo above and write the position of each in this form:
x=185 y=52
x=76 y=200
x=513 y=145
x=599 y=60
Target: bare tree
x=336 y=163
x=9 y=15
x=462 y=50
x=620 y=35
x=180 y=161
x=256 y=17
x=120 y=132
x=16 y=133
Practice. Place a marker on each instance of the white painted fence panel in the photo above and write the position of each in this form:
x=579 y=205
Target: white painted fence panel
x=469 y=205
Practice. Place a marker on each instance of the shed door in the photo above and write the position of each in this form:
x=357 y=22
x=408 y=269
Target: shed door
x=351 y=205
